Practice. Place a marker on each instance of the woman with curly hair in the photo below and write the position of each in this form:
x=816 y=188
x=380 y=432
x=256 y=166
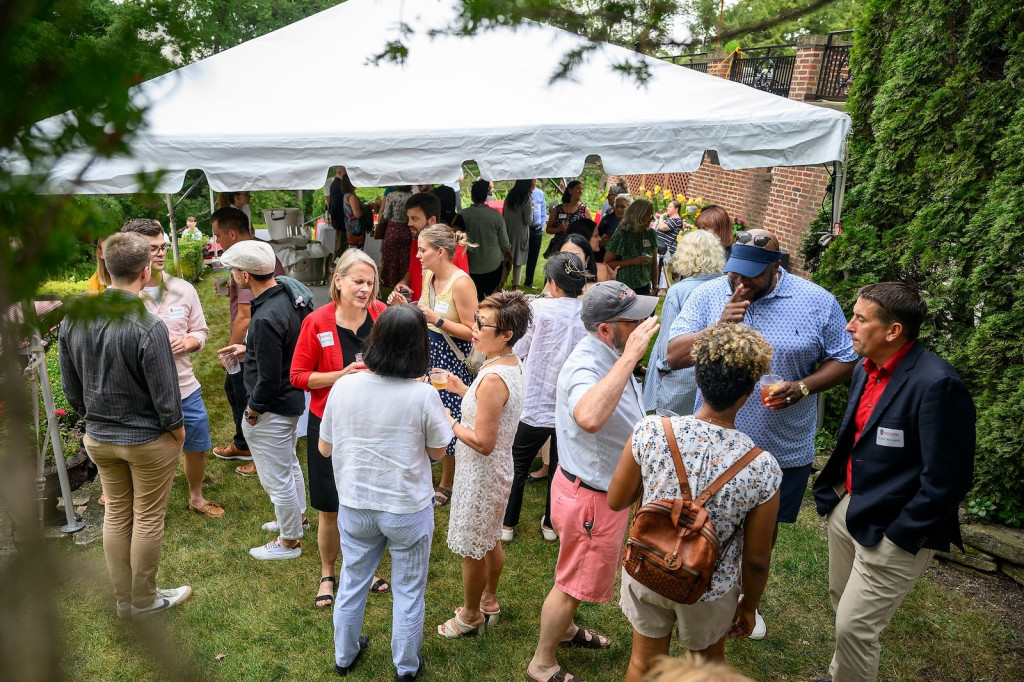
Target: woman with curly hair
x=698 y=259
x=633 y=249
x=729 y=359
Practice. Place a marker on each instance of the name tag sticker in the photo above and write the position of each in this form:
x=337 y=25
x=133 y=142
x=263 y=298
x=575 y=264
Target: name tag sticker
x=890 y=438
x=326 y=339
x=647 y=244
x=441 y=307
x=176 y=313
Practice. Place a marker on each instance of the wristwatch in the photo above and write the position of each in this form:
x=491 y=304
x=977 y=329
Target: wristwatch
x=803 y=388
x=439 y=323
x=249 y=415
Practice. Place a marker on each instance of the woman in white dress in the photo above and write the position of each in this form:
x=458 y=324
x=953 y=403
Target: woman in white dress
x=483 y=471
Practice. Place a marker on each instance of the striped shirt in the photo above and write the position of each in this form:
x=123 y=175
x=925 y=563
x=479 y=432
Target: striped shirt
x=118 y=373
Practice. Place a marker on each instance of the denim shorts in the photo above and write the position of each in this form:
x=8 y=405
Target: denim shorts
x=197 y=424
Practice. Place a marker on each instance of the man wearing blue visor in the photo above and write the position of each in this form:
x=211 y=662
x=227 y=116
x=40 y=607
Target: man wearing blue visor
x=813 y=352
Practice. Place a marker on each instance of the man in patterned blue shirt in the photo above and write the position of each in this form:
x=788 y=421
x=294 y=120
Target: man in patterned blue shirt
x=805 y=325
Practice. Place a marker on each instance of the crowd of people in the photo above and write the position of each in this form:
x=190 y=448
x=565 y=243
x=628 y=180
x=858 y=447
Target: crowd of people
x=483 y=379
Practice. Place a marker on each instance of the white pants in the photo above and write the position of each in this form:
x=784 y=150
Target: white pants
x=866 y=585
x=272 y=444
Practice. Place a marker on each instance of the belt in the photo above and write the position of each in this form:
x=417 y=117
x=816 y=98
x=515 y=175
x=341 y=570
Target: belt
x=572 y=479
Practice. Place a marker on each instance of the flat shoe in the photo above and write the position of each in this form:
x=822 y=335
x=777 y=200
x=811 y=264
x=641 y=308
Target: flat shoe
x=362 y=643
x=231 y=452
x=580 y=640
x=380 y=586
x=248 y=469
x=323 y=600
x=454 y=628
x=442 y=496
x=536 y=479
x=210 y=510
x=561 y=675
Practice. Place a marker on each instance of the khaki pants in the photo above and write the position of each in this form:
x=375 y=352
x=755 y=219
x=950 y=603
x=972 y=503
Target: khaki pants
x=866 y=585
x=137 y=483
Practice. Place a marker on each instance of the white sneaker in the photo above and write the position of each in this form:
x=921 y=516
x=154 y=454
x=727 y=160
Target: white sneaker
x=124 y=610
x=549 y=533
x=760 y=629
x=165 y=599
x=273 y=526
x=274 y=550
x=507 y=534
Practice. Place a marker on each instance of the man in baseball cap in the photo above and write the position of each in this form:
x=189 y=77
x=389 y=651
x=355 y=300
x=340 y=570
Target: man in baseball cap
x=597 y=404
x=273 y=405
x=805 y=325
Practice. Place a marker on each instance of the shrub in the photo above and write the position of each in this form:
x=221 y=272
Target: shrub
x=936 y=171
x=190 y=259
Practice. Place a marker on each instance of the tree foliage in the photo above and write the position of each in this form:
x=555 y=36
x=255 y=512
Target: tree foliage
x=936 y=197
x=767 y=22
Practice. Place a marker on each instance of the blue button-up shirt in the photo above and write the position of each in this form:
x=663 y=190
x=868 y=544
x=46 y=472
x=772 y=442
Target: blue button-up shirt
x=540 y=207
x=806 y=326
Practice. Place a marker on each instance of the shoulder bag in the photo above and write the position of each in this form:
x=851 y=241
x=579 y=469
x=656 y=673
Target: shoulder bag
x=474 y=361
x=672 y=547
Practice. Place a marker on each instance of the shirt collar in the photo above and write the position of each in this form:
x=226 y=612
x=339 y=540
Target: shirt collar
x=874 y=371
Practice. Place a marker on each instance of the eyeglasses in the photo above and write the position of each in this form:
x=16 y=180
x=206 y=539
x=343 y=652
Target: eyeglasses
x=761 y=240
x=480 y=325
x=158 y=249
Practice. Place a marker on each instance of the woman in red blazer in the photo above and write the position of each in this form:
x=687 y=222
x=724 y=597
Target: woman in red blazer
x=326 y=350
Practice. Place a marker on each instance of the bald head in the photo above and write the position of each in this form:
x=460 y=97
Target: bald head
x=771 y=244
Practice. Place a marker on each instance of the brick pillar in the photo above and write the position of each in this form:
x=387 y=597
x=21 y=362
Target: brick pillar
x=719 y=64
x=809 y=51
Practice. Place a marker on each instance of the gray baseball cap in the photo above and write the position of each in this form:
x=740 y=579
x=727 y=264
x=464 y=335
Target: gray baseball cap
x=609 y=300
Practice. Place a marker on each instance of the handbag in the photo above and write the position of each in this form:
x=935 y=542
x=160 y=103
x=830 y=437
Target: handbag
x=672 y=547
x=473 y=361
x=380 y=229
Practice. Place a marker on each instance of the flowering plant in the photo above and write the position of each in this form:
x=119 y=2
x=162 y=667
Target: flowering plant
x=737 y=224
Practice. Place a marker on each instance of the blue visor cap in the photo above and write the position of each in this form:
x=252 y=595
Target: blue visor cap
x=750 y=261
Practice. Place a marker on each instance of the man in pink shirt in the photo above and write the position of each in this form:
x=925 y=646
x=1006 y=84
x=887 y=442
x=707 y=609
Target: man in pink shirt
x=176 y=302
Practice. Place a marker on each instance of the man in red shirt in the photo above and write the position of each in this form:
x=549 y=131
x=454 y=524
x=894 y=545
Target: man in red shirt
x=903 y=461
x=422 y=210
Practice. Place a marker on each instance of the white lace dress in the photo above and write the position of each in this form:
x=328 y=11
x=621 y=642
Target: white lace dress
x=482 y=483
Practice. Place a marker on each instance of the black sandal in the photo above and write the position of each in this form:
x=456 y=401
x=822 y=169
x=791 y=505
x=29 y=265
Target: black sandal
x=442 y=496
x=323 y=600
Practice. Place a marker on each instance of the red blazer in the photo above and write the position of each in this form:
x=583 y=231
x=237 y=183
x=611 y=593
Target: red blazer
x=310 y=356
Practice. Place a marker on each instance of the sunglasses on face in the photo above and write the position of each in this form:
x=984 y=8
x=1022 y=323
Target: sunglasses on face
x=761 y=240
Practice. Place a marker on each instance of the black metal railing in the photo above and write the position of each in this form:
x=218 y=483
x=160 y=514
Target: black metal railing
x=765 y=68
x=835 y=75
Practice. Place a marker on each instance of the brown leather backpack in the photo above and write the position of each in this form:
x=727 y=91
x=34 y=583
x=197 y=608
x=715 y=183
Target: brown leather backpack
x=673 y=548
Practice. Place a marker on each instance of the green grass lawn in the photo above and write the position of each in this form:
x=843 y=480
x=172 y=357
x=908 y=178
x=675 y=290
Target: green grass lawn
x=258 y=617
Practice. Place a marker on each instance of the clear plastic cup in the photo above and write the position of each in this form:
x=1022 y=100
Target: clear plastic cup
x=439 y=379
x=229 y=361
x=769 y=383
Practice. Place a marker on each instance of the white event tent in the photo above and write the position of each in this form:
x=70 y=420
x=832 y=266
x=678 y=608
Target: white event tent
x=277 y=111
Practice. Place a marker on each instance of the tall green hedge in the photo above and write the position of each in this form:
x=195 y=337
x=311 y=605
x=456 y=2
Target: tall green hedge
x=936 y=197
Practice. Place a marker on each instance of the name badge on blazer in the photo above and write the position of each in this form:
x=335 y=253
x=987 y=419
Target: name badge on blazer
x=890 y=438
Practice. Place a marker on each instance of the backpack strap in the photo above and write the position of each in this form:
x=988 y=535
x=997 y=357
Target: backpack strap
x=737 y=467
x=677 y=459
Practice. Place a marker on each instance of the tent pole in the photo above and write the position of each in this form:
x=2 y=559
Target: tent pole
x=174 y=232
x=838 y=193
x=213 y=205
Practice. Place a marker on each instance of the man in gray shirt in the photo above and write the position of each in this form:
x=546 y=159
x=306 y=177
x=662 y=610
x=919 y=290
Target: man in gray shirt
x=485 y=228
x=597 y=404
x=118 y=373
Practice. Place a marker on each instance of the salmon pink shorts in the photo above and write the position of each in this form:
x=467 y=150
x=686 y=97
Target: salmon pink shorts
x=587 y=561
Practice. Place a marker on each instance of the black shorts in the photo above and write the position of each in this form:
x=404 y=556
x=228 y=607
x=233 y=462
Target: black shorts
x=791 y=492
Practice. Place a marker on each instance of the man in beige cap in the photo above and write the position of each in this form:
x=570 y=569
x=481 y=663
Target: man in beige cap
x=273 y=404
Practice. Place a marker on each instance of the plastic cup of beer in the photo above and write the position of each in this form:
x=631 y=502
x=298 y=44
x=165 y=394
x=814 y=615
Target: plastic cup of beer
x=769 y=383
x=229 y=361
x=439 y=379
x=359 y=359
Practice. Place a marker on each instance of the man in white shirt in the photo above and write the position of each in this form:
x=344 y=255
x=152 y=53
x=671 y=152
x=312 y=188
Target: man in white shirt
x=598 y=402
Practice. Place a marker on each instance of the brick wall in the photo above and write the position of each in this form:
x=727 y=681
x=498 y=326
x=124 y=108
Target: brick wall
x=782 y=200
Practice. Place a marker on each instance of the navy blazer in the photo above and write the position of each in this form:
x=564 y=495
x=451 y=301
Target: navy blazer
x=908 y=482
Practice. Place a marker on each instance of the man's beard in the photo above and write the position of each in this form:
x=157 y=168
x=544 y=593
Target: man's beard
x=619 y=346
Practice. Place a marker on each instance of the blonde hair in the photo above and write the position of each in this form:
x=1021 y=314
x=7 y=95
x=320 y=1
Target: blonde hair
x=633 y=220
x=347 y=261
x=699 y=253
x=444 y=237
x=692 y=668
